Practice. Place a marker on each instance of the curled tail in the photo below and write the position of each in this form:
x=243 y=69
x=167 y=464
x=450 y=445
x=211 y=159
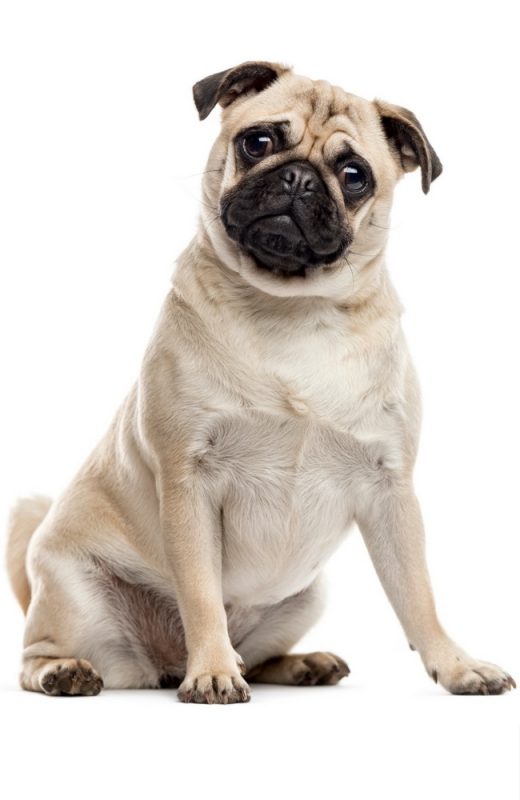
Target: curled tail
x=25 y=517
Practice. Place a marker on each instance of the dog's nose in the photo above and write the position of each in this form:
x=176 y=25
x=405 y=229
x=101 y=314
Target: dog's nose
x=299 y=179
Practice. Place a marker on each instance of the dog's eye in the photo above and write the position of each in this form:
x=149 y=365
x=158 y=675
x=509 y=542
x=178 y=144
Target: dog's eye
x=353 y=178
x=257 y=145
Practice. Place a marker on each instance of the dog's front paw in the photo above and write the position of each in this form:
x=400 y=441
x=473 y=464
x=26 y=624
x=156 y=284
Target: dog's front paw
x=460 y=674
x=220 y=687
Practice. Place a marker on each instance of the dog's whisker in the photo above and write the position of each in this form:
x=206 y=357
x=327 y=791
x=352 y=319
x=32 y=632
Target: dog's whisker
x=352 y=272
x=212 y=221
x=208 y=205
x=382 y=227
x=198 y=174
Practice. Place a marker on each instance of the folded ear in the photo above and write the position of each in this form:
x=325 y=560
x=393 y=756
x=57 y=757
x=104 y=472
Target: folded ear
x=412 y=148
x=226 y=86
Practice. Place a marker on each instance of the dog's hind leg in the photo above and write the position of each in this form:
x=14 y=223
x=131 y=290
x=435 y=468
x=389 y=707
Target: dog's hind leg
x=301 y=669
x=74 y=640
x=265 y=650
x=58 y=628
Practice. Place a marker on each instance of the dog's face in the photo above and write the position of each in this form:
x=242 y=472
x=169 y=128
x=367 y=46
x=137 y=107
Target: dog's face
x=299 y=183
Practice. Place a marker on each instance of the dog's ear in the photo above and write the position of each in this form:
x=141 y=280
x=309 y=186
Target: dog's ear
x=408 y=140
x=226 y=86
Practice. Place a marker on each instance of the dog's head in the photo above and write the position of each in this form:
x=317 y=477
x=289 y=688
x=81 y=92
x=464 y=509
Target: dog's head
x=300 y=180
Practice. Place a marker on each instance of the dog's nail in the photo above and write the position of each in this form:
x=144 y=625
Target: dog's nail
x=434 y=675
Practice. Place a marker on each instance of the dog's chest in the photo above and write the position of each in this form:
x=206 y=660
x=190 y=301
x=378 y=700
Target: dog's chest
x=285 y=505
x=289 y=467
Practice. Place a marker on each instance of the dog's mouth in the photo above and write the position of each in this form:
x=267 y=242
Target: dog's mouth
x=286 y=220
x=278 y=244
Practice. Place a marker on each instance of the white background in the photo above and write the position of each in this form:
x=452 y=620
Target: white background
x=100 y=153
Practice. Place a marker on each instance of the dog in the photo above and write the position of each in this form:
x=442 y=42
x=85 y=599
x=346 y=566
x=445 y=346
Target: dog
x=276 y=406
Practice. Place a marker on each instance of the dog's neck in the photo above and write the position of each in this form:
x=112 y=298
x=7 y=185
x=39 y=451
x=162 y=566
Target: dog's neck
x=214 y=290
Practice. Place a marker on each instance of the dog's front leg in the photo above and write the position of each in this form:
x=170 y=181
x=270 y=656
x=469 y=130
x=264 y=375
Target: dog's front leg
x=192 y=535
x=391 y=524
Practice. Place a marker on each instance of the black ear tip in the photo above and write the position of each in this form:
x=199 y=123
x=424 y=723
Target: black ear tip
x=203 y=112
x=201 y=100
x=436 y=166
x=206 y=93
x=436 y=170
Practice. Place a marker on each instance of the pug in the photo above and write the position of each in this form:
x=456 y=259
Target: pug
x=275 y=407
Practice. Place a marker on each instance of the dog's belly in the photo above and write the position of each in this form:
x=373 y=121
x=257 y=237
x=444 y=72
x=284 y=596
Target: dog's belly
x=286 y=502
x=270 y=555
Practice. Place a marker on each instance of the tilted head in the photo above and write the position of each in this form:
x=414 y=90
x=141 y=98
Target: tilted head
x=300 y=180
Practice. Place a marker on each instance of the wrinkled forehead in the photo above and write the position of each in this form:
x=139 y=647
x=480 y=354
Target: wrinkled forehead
x=320 y=118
